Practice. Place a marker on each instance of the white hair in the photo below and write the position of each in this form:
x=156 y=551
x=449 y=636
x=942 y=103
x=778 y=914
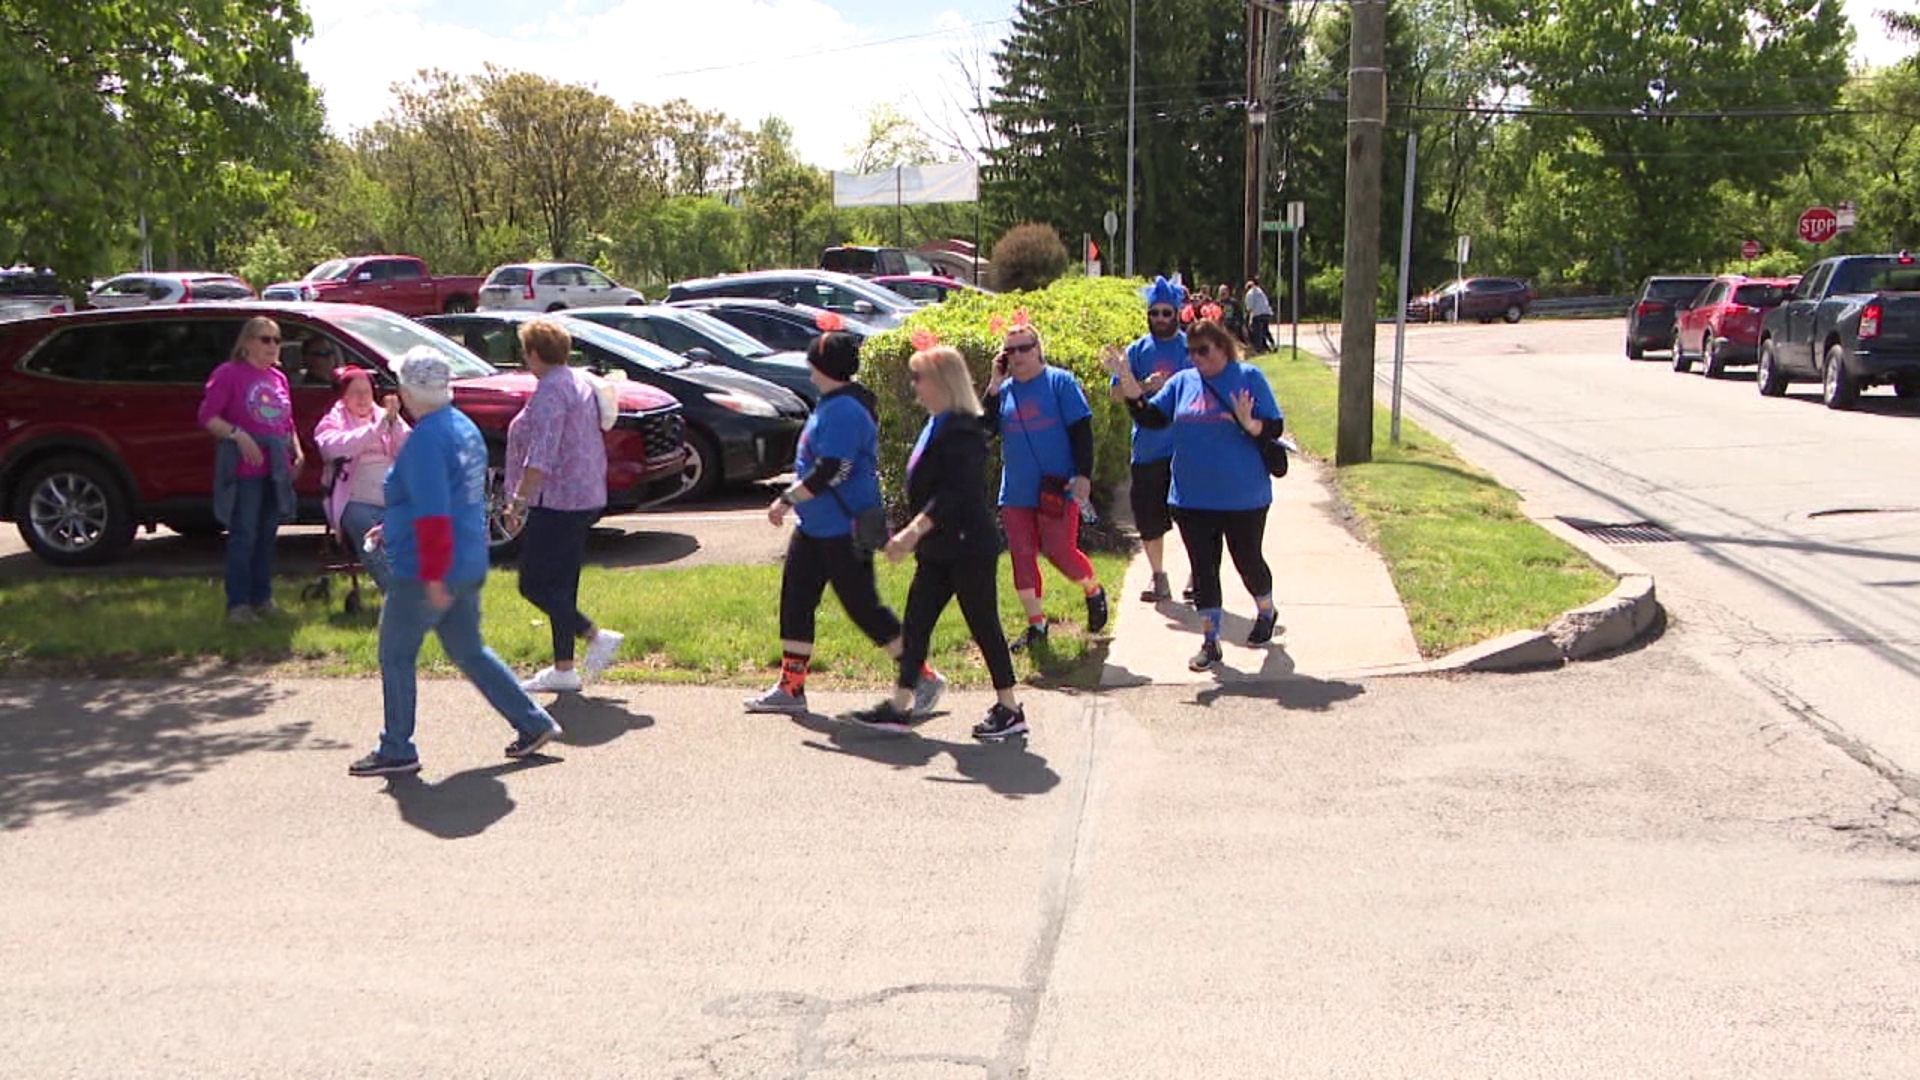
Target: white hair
x=426 y=379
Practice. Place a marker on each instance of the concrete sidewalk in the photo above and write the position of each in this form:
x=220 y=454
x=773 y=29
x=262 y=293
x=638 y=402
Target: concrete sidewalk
x=1339 y=613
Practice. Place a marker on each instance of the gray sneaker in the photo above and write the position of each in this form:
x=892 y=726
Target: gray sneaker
x=241 y=616
x=777 y=700
x=926 y=694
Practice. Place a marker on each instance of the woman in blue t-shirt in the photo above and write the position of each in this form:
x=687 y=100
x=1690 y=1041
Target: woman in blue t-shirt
x=1220 y=411
x=1046 y=453
x=839 y=480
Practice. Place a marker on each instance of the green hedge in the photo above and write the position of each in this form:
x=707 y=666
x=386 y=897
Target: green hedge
x=1076 y=317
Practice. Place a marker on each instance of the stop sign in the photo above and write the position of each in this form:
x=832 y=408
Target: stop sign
x=1818 y=225
x=1750 y=250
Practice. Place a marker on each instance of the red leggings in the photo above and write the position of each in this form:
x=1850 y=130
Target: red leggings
x=1031 y=535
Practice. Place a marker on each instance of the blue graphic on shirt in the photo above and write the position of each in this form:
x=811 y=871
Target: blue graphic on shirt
x=1034 y=417
x=266 y=402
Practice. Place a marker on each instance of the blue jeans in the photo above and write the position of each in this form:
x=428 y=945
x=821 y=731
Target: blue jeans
x=356 y=518
x=405 y=618
x=251 y=530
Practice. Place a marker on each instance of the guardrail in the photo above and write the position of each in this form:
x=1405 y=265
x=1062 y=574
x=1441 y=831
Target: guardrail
x=1582 y=307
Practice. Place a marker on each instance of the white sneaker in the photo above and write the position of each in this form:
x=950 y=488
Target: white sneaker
x=600 y=650
x=552 y=681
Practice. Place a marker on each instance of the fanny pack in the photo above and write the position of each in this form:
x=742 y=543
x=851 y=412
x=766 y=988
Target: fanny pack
x=870 y=532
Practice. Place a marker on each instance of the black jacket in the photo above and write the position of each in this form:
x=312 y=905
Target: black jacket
x=948 y=484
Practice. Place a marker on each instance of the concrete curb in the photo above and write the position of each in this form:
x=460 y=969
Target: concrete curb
x=1607 y=625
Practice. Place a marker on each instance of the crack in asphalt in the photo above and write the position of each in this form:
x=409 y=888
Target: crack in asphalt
x=812 y=1034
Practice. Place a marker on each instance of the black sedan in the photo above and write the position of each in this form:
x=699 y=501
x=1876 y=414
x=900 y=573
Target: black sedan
x=740 y=428
x=699 y=336
x=786 y=327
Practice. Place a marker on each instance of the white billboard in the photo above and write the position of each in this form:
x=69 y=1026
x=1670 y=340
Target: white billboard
x=908 y=185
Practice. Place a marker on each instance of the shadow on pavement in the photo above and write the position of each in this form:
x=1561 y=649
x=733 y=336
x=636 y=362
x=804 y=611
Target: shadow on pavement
x=1877 y=404
x=1008 y=768
x=75 y=748
x=1302 y=692
x=463 y=805
x=594 y=721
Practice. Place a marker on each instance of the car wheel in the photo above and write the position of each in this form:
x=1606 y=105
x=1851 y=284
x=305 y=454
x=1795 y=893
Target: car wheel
x=1635 y=352
x=638 y=301
x=1838 y=390
x=704 y=468
x=1513 y=313
x=458 y=305
x=556 y=306
x=1771 y=381
x=1712 y=363
x=1680 y=360
x=73 y=512
x=503 y=538
x=1907 y=388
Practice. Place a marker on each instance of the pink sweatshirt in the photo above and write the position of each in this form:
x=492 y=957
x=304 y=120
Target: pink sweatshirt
x=369 y=449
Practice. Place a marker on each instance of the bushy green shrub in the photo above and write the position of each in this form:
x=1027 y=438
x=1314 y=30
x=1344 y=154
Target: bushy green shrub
x=1783 y=262
x=1028 y=257
x=1077 y=318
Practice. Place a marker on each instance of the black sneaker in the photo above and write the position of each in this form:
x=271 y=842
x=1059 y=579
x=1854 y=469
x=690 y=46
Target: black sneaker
x=882 y=717
x=1208 y=656
x=378 y=764
x=1187 y=593
x=1036 y=635
x=1262 y=631
x=528 y=745
x=1159 y=592
x=1097 y=612
x=1001 y=723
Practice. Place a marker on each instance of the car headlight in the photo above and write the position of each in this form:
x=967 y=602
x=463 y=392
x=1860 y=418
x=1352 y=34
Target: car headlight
x=744 y=404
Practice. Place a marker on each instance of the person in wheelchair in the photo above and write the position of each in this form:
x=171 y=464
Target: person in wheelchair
x=359 y=439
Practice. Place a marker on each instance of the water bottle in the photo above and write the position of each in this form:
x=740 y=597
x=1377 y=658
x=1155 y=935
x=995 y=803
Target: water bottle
x=1087 y=514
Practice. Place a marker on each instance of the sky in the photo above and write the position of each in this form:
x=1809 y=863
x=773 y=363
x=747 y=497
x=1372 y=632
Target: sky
x=821 y=65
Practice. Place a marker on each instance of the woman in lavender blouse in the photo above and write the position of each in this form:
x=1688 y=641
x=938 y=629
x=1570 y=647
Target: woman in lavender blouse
x=557 y=477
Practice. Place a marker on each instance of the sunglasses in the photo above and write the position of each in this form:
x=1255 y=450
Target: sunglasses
x=269 y=340
x=1200 y=350
x=1027 y=348
x=1160 y=313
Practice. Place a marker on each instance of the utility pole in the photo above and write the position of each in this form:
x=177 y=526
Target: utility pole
x=1133 y=57
x=1250 y=246
x=1366 y=119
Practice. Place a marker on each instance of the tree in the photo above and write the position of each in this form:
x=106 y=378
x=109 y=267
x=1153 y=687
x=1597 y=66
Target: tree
x=566 y=143
x=891 y=140
x=194 y=113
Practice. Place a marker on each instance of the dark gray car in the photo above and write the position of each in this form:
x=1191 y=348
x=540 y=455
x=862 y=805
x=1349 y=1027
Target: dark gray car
x=1654 y=316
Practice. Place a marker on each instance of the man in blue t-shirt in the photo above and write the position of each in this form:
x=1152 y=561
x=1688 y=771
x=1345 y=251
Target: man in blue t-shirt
x=1159 y=354
x=1046 y=451
x=435 y=533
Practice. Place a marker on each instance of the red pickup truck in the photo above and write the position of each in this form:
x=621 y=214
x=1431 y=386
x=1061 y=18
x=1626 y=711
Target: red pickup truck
x=399 y=283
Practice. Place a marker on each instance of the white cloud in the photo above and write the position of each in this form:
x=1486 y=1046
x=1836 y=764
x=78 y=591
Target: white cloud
x=748 y=58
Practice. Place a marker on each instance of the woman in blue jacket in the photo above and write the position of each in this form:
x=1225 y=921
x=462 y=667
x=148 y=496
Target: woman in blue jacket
x=1220 y=411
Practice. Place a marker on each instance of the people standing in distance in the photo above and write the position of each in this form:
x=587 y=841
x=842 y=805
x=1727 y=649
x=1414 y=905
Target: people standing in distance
x=1259 y=318
x=952 y=538
x=1046 y=447
x=1159 y=354
x=557 y=485
x=359 y=440
x=435 y=535
x=248 y=408
x=838 y=465
x=1220 y=411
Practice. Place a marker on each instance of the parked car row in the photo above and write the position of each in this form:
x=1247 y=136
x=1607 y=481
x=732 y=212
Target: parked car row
x=1848 y=323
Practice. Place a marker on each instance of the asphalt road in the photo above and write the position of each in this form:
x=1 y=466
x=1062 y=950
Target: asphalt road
x=1796 y=563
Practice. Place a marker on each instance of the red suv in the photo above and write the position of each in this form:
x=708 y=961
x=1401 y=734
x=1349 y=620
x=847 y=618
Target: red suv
x=98 y=410
x=1722 y=325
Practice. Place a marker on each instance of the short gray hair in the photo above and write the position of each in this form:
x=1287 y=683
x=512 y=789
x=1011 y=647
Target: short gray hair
x=426 y=376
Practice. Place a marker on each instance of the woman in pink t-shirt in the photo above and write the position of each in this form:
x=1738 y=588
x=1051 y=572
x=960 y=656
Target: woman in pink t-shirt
x=246 y=406
x=364 y=438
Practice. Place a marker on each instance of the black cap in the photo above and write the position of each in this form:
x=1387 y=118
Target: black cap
x=836 y=354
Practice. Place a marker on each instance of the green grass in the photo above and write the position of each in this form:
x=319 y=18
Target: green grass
x=703 y=624
x=1468 y=565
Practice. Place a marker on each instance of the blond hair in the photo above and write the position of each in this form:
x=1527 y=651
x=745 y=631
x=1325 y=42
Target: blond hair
x=547 y=340
x=948 y=370
x=254 y=327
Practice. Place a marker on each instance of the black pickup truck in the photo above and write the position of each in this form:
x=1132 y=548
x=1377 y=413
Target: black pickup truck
x=1852 y=322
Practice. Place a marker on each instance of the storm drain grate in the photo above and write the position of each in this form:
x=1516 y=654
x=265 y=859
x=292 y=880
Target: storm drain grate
x=1628 y=532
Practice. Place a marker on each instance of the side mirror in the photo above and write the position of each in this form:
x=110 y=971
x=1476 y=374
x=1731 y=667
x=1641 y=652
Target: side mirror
x=700 y=355
x=364 y=275
x=862 y=307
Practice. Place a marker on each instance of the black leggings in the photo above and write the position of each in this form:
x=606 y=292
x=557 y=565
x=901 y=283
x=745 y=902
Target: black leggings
x=1204 y=530
x=813 y=563
x=552 y=546
x=976 y=582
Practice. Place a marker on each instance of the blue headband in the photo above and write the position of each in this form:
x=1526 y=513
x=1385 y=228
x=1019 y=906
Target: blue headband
x=1165 y=292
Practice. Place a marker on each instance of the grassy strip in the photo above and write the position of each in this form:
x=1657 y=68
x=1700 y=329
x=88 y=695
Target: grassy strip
x=701 y=624
x=1467 y=564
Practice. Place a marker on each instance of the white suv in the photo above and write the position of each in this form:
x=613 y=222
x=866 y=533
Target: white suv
x=551 y=287
x=139 y=290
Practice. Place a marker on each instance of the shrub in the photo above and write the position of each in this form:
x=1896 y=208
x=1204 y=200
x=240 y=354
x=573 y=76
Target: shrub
x=1077 y=319
x=1028 y=257
x=1781 y=262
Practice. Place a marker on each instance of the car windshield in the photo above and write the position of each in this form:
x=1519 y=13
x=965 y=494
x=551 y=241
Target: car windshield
x=1876 y=275
x=329 y=270
x=630 y=347
x=392 y=335
x=736 y=340
x=881 y=298
x=1760 y=295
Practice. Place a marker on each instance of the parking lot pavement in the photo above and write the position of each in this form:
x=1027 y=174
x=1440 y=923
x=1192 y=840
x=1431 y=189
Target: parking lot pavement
x=728 y=529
